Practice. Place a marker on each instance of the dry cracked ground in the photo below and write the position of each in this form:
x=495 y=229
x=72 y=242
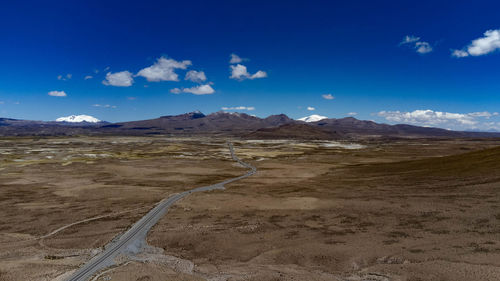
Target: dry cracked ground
x=370 y=210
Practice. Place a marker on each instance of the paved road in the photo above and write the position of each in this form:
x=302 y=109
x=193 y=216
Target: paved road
x=132 y=241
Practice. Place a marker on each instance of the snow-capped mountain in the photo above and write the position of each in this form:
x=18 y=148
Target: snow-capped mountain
x=78 y=119
x=312 y=118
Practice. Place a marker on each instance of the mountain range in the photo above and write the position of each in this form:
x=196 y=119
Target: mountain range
x=231 y=124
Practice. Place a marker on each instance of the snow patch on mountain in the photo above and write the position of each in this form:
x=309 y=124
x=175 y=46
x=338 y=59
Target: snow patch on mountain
x=312 y=118
x=78 y=119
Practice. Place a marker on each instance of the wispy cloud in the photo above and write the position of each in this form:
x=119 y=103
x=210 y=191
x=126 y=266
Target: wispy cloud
x=489 y=43
x=240 y=72
x=249 y=108
x=459 y=53
x=310 y=108
x=328 y=96
x=409 y=39
x=197 y=90
x=163 y=70
x=415 y=43
x=119 y=79
x=64 y=77
x=195 y=76
x=430 y=118
x=88 y=77
x=234 y=58
x=352 y=113
x=57 y=94
x=104 y=105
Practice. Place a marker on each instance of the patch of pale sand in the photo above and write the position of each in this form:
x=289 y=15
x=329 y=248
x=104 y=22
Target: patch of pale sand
x=267 y=153
x=71 y=187
x=193 y=170
x=304 y=145
x=39 y=205
x=10 y=236
x=264 y=141
x=334 y=144
x=21 y=181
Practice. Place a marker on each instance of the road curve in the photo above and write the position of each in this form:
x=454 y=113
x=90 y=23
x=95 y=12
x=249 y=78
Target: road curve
x=132 y=241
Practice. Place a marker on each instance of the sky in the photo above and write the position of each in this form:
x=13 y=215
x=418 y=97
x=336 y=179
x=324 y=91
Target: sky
x=428 y=63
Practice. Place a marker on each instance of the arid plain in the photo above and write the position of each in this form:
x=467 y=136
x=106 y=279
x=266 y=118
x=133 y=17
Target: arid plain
x=382 y=209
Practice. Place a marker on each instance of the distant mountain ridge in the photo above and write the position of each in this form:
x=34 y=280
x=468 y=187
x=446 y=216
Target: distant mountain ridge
x=232 y=124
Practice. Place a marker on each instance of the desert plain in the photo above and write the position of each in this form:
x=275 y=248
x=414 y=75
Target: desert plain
x=367 y=209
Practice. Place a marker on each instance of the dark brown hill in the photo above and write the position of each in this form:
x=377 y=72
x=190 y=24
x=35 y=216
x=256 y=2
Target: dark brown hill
x=197 y=122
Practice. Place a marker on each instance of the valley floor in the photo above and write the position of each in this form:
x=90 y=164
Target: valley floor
x=375 y=210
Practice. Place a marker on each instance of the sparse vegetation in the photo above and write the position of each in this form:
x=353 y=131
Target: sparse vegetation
x=393 y=203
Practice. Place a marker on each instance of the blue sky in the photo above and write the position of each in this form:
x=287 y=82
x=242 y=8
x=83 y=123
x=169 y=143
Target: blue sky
x=431 y=63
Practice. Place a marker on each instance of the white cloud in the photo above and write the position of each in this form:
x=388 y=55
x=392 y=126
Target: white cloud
x=259 y=74
x=88 y=77
x=104 y=105
x=249 y=108
x=163 y=70
x=236 y=59
x=239 y=72
x=419 y=46
x=423 y=47
x=430 y=118
x=119 y=79
x=481 y=46
x=195 y=76
x=176 y=91
x=352 y=113
x=484 y=114
x=310 y=108
x=328 y=96
x=198 y=90
x=65 y=77
x=459 y=54
x=57 y=94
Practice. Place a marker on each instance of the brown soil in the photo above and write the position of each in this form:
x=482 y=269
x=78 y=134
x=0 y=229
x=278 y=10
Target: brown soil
x=392 y=210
